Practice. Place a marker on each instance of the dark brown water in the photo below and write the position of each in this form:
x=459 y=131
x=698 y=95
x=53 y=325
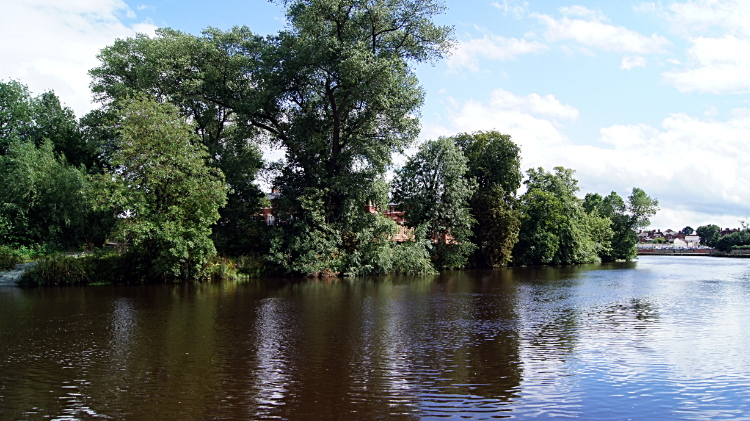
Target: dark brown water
x=664 y=338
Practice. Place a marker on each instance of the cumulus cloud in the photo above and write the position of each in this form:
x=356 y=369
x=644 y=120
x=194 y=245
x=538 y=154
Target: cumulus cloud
x=697 y=167
x=492 y=47
x=715 y=65
x=629 y=62
x=719 y=33
x=592 y=31
x=60 y=49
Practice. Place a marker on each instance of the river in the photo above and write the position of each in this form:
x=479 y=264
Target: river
x=660 y=338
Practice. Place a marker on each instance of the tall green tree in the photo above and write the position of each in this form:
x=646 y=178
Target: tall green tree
x=165 y=195
x=207 y=78
x=434 y=193
x=709 y=234
x=555 y=228
x=494 y=162
x=627 y=218
x=345 y=96
x=688 y=230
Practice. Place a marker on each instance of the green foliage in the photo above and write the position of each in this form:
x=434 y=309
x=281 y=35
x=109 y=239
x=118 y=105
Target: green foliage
x=336 y=91
x=38 y=120
x=101 y=267
x=709 y=234
x=16 y=112
x=494 y=162
x=555 y=228
x=433 y=192
x=688 y=230
x=45 y=200
x=626 y=219
x=9 y=258
x=165 y=195
x=658 y=241
x=734 y=240
x=203 y=77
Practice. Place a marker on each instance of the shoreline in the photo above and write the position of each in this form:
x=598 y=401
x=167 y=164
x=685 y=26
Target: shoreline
x=11 y=277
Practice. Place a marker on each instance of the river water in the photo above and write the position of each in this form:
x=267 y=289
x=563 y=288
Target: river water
x=661 y=338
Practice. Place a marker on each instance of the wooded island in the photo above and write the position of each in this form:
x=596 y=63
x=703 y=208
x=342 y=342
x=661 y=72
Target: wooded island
x=168 y=167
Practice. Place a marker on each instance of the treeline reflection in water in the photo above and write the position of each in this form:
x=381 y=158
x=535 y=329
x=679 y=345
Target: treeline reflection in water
x=661 y=338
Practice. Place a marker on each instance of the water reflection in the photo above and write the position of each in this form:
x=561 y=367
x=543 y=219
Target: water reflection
x=660 y=339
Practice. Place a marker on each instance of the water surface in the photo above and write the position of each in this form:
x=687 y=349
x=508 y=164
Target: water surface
x=662 y=338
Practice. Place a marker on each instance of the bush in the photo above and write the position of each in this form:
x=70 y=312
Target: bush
x=9 y=258
x=101 y=267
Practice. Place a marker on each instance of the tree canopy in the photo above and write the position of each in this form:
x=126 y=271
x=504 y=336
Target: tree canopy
x=555 y=228
x=165 y=195
x=434 y=194
x=494 y=162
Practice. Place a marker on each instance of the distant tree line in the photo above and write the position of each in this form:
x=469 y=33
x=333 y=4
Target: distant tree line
x=711 y=236
x=168 y=166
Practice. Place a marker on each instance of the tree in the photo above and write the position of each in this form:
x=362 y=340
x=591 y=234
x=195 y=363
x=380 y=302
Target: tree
x=555 y=228
x=626 y=219
x=43 y=199
x=494 y=163
x=709 y=234
x=166 y=196
x=731 y=241
x=434 y=193
x=206 y=78
x=339 y=97
x=688 y=230
x=40 y=119
x=15 y=112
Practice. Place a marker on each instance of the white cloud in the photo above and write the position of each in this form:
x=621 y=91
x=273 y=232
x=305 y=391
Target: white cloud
x=492 y=47
x=698 y=168
x=702 y=15
x=517 y=10
x=719 y=32
x=716 y=65
x=66 y=37
x=533 y=120
x=629 y=62
x=593 y=32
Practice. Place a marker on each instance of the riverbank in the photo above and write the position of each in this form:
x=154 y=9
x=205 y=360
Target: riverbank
x=11 y=277
x=741 y=253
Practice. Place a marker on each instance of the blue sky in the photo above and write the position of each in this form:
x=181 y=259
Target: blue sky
x=627 y=93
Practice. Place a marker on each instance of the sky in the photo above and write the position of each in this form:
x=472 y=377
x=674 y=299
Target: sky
x=629 y=94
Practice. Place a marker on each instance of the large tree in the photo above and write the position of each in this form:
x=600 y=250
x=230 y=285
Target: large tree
x=494 y=162
x=555 y=228
x=207 y=78
x=165 y=195
x=340 y=95
x=627 y=218
x=434 y=193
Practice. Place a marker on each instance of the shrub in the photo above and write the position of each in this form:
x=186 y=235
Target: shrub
x=9 y=258
x=101 y=267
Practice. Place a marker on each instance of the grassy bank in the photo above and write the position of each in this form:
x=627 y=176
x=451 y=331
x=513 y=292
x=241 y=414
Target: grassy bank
x=104 y=267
